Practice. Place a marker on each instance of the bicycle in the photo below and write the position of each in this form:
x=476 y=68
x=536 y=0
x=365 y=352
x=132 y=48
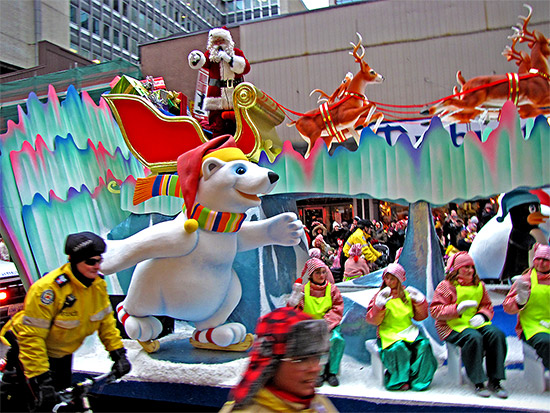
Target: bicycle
x=76 y=396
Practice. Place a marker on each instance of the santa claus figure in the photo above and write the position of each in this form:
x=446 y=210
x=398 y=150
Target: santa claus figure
x=226 y=67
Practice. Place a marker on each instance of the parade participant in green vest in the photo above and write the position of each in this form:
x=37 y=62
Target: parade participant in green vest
x=322 y=300
x=405 y=352
x=463 y=311
x=529 y=298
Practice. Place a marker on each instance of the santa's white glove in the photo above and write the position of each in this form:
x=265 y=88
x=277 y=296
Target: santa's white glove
x=523 y=292
x=195 y=57
x=545 y=324
x=296 y=295
x=477 y=320
x=383 y=297
x=224 y=56
x=464 y=305
x=415 y=294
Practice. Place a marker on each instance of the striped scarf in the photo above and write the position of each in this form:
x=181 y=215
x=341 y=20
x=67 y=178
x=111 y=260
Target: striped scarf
x=210 y=220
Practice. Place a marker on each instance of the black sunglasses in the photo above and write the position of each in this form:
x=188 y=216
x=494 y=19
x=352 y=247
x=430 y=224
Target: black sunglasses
x=93 y=261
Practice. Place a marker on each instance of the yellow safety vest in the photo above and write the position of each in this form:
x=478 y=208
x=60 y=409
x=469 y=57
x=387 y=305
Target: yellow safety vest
x=464 y=293
x=536 y=309
x=397 y=324
x=317 y=306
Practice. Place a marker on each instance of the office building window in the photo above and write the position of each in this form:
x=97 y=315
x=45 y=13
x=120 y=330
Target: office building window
x=115 y=5
x=84 y=17
x=95 y=26
x=125 y=42
x=116 y=35
x=125 y=9
x=141 y=20
x=106 y=32
x=74 y=13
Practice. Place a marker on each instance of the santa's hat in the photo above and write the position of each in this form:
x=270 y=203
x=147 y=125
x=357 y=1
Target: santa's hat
x=189 y=164
x=220 y=32
x=514 y=198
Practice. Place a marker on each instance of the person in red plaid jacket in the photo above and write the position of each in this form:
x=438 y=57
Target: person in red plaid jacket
x=284 y=365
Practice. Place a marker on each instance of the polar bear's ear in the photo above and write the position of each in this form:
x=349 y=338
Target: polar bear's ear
x=210 y=167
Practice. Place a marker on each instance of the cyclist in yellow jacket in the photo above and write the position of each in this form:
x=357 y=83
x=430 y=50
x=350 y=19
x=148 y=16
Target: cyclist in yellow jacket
x=61 y=310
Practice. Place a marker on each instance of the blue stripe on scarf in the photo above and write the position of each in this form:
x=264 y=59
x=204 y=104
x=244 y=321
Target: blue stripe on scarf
x=216 y=222
x=155 y=190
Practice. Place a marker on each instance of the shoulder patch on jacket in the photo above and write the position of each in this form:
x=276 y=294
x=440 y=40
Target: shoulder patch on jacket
x=61 y=280
x=47 y=297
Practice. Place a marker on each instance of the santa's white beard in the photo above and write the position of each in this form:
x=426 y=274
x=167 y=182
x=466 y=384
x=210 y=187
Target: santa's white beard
x=214 y=54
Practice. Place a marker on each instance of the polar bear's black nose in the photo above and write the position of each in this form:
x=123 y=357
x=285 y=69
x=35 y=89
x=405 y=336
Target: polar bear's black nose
x=273 y=177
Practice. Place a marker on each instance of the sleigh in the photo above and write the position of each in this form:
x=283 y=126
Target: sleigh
x=157 y=140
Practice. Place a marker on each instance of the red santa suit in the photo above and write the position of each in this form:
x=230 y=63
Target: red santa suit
x=226 y=67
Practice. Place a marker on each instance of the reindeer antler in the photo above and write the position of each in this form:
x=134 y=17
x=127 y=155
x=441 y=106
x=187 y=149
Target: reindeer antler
x=356 y=47
x=524 y=34
x=520 y=57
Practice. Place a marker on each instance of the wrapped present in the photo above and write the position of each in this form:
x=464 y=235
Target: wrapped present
x=131 y=86
x=153 y=83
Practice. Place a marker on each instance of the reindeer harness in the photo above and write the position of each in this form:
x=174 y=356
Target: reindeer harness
x=330 y=127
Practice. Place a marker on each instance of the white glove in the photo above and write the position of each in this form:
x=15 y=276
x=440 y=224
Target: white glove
x=224 y=56
x=195 y=57
x=477 y=320
x=464 y=305
x=415 y=294
x=296 y=295
x=545 y=324
x=383 y=297
x=522 y=288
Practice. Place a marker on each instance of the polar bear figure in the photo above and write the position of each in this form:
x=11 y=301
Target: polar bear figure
x=186 y=273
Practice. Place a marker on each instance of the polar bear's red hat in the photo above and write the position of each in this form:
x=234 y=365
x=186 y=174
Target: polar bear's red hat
x=189 y=164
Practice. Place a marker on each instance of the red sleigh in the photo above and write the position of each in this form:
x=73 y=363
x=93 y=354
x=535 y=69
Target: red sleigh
x=157 y=140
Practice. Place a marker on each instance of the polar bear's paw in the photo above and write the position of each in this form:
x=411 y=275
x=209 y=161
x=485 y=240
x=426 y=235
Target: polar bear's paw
x=222 y=337
x=139 y=328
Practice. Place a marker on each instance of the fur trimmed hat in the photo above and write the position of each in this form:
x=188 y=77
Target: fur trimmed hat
x=285 y=332
x=542 y=251
x=221 y=32
x=83 y=245
x=514 y=198
x=459 y=260
x=397 y=270
x=189 y=164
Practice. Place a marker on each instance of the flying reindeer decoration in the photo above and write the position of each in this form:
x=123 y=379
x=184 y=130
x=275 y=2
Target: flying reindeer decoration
x=528 y=89
x=336 y=121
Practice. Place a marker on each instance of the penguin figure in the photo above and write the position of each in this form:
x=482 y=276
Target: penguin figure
x=525 y=213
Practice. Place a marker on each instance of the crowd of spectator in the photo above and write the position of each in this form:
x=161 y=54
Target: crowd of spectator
x=378 y=242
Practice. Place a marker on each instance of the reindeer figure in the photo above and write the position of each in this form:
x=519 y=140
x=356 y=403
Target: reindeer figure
x=531 y=95
x=337 y=121
x=337 y=94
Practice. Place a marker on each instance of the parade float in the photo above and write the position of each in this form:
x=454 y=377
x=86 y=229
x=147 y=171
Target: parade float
x=73 y=165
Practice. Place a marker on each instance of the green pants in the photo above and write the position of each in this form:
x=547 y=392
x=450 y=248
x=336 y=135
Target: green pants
x=541 y=343
x=412 y=363
x=337 y=345
x=488 y=340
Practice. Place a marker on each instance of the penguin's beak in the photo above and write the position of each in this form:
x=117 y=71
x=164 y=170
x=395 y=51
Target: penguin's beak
x=536 y=218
